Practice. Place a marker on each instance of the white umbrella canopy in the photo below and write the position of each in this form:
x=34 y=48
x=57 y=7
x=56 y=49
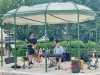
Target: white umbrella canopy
x=56 y=13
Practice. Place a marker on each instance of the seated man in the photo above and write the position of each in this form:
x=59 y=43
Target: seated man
x=94 y=52
x=57 y=50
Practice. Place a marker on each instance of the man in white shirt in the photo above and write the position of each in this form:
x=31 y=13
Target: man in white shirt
x=57 y=50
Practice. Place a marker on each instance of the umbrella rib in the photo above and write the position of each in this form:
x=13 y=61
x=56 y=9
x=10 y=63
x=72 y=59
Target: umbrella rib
x=58 y=17
x=31 y=19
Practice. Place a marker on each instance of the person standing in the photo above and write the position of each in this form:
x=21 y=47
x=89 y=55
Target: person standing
x=31 y=43
x=94 y=52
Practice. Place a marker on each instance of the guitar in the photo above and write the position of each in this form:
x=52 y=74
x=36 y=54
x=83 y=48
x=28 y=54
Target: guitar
x=37 y=57
x=33 y=45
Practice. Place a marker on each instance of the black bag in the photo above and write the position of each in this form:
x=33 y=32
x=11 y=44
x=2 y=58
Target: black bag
x=9 y=60
x=17 y=66
x=85 y=57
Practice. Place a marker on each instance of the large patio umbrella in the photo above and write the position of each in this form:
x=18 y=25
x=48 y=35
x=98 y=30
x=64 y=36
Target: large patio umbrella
x=55 y=13
x=49 y=13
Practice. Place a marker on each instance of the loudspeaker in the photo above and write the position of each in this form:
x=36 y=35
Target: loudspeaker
x=63 y=59
x=75 y=62
x=85 y=39
x=9 y=60
x=67 y=56
x=75 y=68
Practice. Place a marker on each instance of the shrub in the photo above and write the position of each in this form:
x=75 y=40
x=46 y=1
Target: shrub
x=51 y=45
x=63 y=43
x=74 y=44
x=92 y=44
x=20 y=51
x=74 y=51
x=20 y=42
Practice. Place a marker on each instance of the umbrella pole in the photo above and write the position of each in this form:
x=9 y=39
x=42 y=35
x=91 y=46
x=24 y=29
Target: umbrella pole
x=70 y=47
x=15 y=53
x=78 y=45
x=1 y=45
x=27 y=31
x=96 y=42
x=89 y=46
x=9 y=41
x=89 y=43
x=67 y=37
x=45 y=42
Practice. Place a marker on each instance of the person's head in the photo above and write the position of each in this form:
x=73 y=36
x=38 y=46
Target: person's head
x=56 y=41
x=31 y=35
x=58 y=44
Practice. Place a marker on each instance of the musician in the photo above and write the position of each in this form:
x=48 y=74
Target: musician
x=31 y=51
x=57 y=50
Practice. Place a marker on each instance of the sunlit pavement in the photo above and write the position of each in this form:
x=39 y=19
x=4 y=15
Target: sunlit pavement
x=39 y=69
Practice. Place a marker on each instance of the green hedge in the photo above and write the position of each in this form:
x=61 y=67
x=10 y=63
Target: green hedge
x=20 y=52
x=51 y=45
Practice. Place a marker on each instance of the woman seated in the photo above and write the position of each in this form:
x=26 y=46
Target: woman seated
x=94 y=53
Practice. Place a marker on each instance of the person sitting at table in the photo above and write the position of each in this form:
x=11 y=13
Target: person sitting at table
x=94 y=53
x=58 y=49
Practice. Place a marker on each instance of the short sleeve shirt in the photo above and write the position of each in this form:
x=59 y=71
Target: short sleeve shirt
x=57 y=50
x=33 y=41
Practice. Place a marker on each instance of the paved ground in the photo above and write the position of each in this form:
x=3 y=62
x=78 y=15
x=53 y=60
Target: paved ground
x=39 y=68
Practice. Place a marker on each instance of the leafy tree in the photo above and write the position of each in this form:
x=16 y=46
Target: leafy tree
x=52 y=30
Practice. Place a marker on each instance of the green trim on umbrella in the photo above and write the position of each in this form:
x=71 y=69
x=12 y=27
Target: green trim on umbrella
x=19 y=14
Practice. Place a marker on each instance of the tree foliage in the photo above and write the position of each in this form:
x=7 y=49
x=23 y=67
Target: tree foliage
x=52 y=30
